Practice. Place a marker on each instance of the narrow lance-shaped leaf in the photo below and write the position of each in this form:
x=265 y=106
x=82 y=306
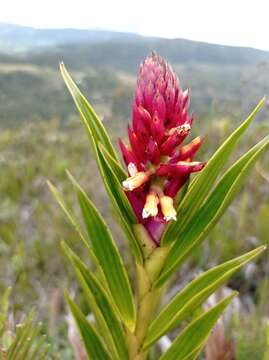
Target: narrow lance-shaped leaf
x=108 y=257
x=100 y=323
x=4 y=304
x=115 y=191
x=25 y=347
x=93 y=344
x=60 y=200
x=27 y=342
x=40 y=350
x=196 y=333
x=101 y=306
x=97 y=135
x=201 y=186
x=94 y=126
x=120 y=173
x=194 y=354
x=22 y=333
x=212 y=210
x=115 y=187
x=120 y=201
x=194 y=294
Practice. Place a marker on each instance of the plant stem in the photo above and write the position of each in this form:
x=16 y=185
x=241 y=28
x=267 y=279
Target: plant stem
x=148 y=298
x=147 y=301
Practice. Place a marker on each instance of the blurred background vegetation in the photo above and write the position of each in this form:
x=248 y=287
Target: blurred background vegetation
x=41 y=137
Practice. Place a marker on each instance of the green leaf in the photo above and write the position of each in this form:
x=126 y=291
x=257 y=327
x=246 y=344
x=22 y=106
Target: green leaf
x=194 y=294
x=92 y=342
x=120 y=201
x=194 y=354
x=109 y=258
x=101 y=306
x=25 y=346
x=22 y=333
x=200 y=188
x=113 y=173
x=196 y=333
x=27 y=342
x=59 y=198
x=93 y=124
x=114 y=189
x=208 y=215
x=120 y=173
x=40 y=349
x=100 y=321
x=4 y=304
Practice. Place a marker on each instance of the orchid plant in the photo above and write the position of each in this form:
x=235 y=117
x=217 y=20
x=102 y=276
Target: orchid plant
x=165 y=215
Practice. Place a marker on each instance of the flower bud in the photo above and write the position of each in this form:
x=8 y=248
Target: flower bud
x=151 y=205
x=134 y=182
x=182 y=168
x=188 y=151
x=167 y=207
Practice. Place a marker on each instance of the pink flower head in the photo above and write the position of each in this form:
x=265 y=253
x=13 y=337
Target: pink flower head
x=157 y=163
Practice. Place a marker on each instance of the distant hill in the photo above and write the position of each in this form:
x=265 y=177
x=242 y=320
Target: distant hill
x=15 y=38
x=225 y=80
x=125 y=55
x=118 y=50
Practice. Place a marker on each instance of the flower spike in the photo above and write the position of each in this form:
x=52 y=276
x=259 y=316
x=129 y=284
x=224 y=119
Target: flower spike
x=155 y=159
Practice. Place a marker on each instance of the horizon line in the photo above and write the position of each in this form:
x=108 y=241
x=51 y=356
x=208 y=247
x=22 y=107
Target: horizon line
x=130 y=33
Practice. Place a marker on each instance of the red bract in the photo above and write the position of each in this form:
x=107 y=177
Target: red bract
x=157 y=163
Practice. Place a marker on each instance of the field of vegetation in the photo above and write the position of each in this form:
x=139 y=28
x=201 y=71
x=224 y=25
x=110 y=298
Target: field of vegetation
x=41 y=136
x=32 y=226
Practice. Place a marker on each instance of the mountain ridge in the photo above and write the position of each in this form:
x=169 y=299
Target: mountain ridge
x=26 y=38
x=18 y=38
x=225 y=80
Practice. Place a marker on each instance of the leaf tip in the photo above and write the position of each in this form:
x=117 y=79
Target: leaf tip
x=67 y=296
x=50 y=185
x=261 y=102
x=63 y=245
x=70 y=176
x=233 y=295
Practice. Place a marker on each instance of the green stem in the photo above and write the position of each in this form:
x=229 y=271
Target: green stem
x=147 y=302
x=148 y=298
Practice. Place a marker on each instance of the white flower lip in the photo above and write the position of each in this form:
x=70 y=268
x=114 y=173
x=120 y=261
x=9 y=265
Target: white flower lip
x=170 y=217
x=145 y=214
x=127 y=185
x=133 y=182
x=132 y=169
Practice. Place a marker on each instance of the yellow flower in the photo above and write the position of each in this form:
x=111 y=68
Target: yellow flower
x=167 y=207
x=151 y=205
x=133 y=182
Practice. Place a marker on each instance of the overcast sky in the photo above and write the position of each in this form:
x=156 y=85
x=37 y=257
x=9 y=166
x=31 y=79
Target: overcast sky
x=233 y=22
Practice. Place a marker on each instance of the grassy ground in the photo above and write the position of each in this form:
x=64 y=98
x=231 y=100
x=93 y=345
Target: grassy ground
x=32 y=226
